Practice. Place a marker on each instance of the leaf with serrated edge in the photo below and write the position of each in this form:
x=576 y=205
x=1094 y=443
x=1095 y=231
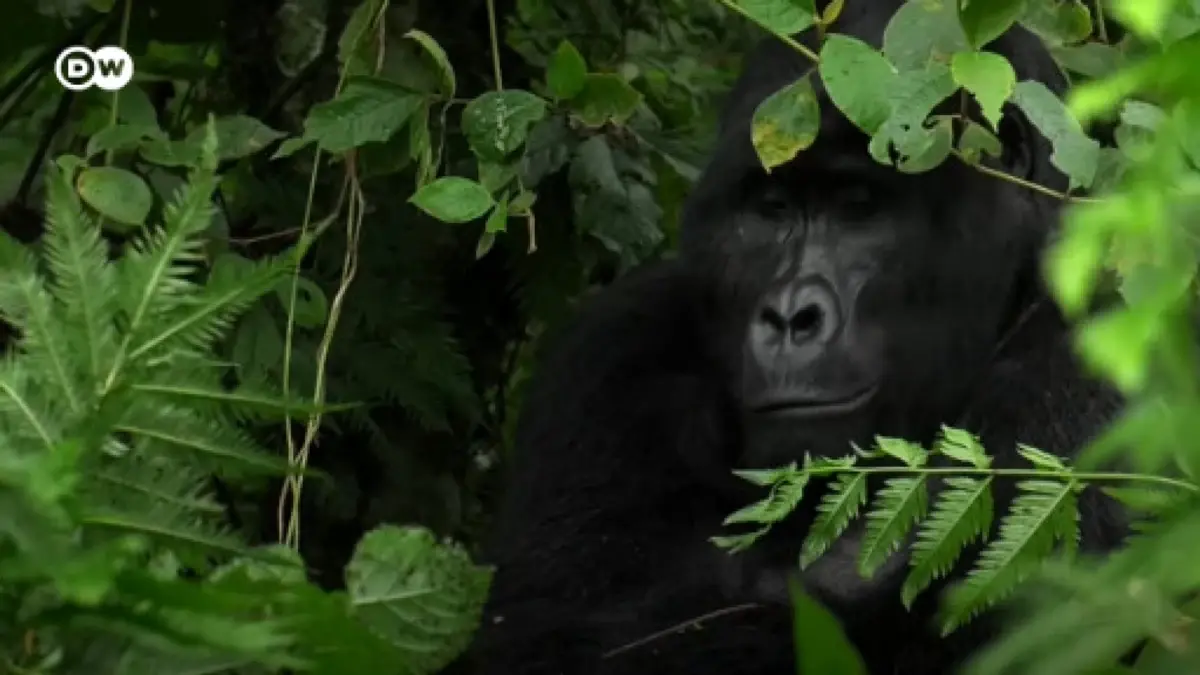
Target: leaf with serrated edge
x=1043 y=514
x=962 y=513
x=902 y=503
x=838 y=507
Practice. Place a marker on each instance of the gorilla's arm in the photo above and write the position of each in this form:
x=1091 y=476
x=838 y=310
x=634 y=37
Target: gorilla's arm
x=620 y=441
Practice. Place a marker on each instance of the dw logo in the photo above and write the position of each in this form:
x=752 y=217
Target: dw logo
x=78 y=68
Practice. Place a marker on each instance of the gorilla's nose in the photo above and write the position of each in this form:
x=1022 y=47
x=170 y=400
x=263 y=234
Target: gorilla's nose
x=796 y=314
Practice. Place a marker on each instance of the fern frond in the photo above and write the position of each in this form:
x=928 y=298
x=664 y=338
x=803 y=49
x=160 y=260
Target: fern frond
x=85 y=284
x=1043 y=514
x=28 y=412
x=785 y=494
x=897 y=507
x=196 y=323
x=156 y=267
x=211 y=441
x=962 y=513
x=838 y=507
x=45 y=345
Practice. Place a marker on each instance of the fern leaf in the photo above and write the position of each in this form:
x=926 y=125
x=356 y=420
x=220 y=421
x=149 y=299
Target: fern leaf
x=779 y=502
x=1043 y=514
x=840 y=505
x=736 y=543
x=209 y=314
x=210 y=440
x=85 y=284
x=962 y=513
x=962 y=446
x=156 y=267
x=898 y=506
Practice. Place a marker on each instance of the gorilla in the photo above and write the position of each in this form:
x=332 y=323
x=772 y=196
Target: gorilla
x=817 y=305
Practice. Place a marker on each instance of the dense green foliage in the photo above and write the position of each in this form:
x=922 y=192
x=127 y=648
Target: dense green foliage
x=270 y=309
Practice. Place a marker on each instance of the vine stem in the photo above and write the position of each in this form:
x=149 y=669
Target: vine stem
x=114 y=111
x=1084 y=477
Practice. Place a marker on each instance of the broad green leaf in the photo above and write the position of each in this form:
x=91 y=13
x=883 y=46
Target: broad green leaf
x=1074 y=154
x=312 y=307
x=976 y=141
x=1146 y=17
x=785 y=123
x=116 y=194
x=119 y=138
x=782 y=17
x=915 y=94
x=434 y=50
x=358 y=27
x=423 y=597
x=367 y=110
x=566 y=72
x=858 y=79
x=920 y=33
x=989 y=77
x=1118 y=343
x=452 y=199
x=498 y=122
x=605 y=98
x=498 y=219
x=986 y=20
x=237 y=136
x=1090 y=59
x=820 y=643
x=934 y=148
x=1058 y=22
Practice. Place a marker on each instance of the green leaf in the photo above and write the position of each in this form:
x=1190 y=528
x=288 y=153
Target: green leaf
x=1117 y=344
x=449 y=83
x=785 y=123
x=962 y=513
x=498 y=219
x=312 y=307
x=237 y=136
x=933 y=148
x=367 y=110
x=915 y=95
x=977 y=141
x=357 y=28
x=838 y=507
x=912 y=454
x=785 y=494
x=962 y=446
x=858 y=79
x=1040 y=458
x=921 y=33
x=1043 y=514
x=566 y=72
x=989 y=77
x=1074 y=154
x=116 y=194
x=423 y=597
x=605 y=98
x=452 y=199
x=498 y=122
x=1059 y=22
x=820 y=643
x=782 y=17
x=986 y=20
x=900 y=505
x=118 y=138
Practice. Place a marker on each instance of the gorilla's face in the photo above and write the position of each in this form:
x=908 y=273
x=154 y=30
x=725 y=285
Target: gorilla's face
x=853 y=301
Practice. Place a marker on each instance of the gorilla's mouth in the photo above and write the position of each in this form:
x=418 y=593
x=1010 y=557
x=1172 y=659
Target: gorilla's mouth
x=807 y=406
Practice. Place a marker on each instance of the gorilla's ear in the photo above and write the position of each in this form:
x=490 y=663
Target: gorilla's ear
x=1020 y=142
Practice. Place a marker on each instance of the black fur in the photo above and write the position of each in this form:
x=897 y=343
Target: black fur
x=639 y=412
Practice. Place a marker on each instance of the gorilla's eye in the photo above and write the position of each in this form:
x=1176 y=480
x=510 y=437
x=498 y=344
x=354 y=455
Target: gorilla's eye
x=772 y=203
x=855 y=200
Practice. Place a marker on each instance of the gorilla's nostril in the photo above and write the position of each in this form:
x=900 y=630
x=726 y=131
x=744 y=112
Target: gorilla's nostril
x=806 y=323
x=773 y=319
